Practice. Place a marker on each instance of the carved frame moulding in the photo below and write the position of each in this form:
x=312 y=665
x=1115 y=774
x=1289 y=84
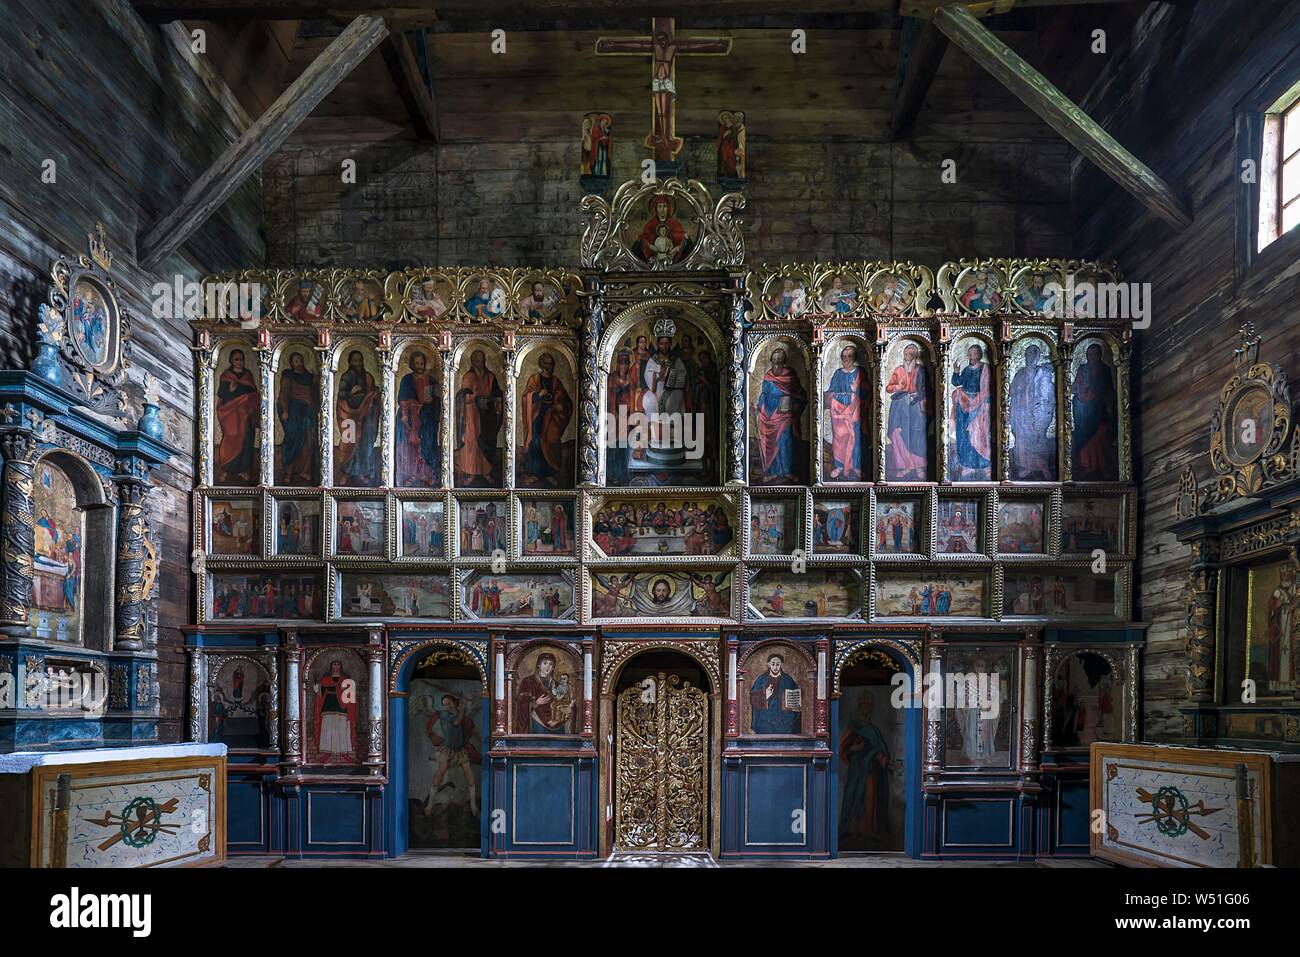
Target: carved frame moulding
x=401 y=651
x=1124 y=661
x=80 y=565
x=617 y=650
x=1243 y=530
x=850 y=651
x=713 y=231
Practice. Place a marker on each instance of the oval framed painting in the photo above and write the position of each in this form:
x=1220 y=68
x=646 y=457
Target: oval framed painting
x=94 y=323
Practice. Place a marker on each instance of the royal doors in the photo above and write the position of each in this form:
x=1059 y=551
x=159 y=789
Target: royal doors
x=661 y=765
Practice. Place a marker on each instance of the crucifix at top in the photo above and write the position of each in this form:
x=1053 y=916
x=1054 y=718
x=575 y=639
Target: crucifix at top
x=663 y=46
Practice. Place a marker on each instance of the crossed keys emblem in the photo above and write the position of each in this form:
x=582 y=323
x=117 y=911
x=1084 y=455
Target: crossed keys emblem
x=139 y=824
x=1172 y=813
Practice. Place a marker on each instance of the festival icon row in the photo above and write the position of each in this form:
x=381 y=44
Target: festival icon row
x=924 y=522
x=984 y=287
x=901 y=523
x=1072 y=591
x=896 y=523
x=452 y=294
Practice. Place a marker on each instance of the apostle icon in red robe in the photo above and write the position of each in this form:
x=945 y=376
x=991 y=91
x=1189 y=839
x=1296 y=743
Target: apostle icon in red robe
x=238 y=409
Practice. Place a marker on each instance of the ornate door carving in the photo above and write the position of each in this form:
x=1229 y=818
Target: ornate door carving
x=661 y=766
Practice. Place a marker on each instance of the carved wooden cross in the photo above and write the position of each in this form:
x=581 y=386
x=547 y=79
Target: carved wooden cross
x=663 y=46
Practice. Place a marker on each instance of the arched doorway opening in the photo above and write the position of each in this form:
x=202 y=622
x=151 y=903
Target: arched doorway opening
x=444 y=752
x=662 y=759
x=872 y=755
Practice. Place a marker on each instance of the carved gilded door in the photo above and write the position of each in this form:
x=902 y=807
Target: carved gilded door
x=661 y=766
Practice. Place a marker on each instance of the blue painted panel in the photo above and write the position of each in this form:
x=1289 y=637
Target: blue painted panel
x=246 y=814
x=542 y=798
x=979 y=823
x=773 y=795
x=1072 y=814
x=335 y=818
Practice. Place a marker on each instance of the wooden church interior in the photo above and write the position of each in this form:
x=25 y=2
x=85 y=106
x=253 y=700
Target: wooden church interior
x=968 y=326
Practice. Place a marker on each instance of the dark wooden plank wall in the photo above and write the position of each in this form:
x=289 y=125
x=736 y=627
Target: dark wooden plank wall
x=825 y=183
x=1170 y=96
x=110 y=99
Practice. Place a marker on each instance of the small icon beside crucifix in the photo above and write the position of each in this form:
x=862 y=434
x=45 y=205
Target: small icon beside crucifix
x=663 y=47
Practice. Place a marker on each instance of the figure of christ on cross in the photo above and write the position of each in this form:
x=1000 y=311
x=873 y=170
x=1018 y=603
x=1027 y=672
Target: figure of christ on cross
x=663 y=47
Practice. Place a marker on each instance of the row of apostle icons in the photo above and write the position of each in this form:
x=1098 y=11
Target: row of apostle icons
x=951 y=410
x=887 y=523
x=976 y=420
x=1059 y=591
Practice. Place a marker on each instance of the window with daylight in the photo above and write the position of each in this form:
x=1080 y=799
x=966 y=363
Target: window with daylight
x=1279 y=201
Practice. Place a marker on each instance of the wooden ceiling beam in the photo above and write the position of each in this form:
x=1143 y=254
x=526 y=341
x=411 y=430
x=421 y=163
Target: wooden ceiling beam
x=411 y=13
x=920 y=51
x=414 y=90
x=247 y=154
x=926 y=9
x=1061 y=114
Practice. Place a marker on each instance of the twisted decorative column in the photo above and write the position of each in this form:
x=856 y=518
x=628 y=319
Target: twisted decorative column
x=1201 y=600
x=273 y=707
x=1065 y=388
x=736 y=401
x=933 y=720
x=266 y=449
x=1029 y=710
x=590 y=425
x=292 y=702
x=132 y=491
x=325 y=422
x=17 y=527
x=375 y=704
x=197 y=682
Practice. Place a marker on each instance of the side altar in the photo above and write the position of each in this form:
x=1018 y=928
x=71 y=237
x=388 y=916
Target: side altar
x=79 y=697
x=657 y=553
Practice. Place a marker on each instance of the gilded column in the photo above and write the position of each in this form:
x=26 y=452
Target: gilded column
x=266 y=364
x=387 y=389
x=197 y=680
x=326 y=423
x=17 y=527
x=131 y=493
x=1202 y=587
x=205 y=358
x=1125 y=415
x=448 y=411
x=510 y=363
x=882 y=409
x=1065 y=408
x=590 y=419
x=736 y=402
x=943 y=387
x=1132 y=713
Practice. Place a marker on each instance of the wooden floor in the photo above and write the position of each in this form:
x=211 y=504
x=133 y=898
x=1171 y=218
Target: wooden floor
x=433 y=859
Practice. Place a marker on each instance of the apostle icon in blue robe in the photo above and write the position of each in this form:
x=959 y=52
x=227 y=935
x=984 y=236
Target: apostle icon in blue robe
x=768 y=700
